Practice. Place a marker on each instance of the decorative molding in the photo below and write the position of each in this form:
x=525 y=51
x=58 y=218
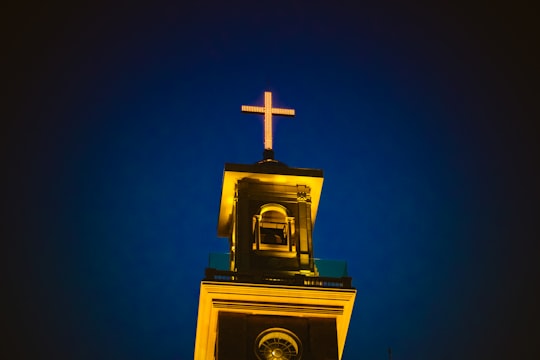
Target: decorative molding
x=266 y=299
x=303 y=196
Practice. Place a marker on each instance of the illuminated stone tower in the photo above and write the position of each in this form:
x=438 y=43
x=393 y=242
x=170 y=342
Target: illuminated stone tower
x=269 y=298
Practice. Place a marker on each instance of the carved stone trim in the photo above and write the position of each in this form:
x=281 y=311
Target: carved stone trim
x=303 y=196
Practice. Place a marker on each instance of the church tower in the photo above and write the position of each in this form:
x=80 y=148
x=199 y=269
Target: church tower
x=269 y=298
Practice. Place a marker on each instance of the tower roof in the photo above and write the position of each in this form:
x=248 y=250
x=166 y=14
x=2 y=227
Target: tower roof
x=270 y=172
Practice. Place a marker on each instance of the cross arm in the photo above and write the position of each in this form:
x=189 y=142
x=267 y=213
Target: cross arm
x=284 y=112
x=253 y=109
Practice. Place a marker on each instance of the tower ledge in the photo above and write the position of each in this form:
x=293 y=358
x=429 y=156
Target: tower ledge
x=295 y=301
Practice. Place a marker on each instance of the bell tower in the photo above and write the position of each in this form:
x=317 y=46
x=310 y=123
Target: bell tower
x=269 y=297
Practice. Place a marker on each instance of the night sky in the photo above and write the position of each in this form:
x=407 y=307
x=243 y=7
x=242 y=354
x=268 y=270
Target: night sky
x=118 y=119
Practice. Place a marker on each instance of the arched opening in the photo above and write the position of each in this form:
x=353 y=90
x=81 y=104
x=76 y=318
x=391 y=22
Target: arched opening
x=273 y=229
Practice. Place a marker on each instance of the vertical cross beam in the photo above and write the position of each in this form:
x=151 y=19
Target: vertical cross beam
x=268 y=111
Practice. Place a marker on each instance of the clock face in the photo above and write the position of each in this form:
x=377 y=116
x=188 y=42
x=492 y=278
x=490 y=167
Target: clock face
x=278 y=344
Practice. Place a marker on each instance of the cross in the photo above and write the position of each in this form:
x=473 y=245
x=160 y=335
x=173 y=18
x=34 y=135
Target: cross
x=267 y=110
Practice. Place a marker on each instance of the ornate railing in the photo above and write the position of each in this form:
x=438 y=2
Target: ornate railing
x=278 y=279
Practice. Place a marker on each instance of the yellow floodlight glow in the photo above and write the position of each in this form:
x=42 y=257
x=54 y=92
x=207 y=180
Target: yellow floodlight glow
x=264 y=299
x=311 y=178
x=267 y=110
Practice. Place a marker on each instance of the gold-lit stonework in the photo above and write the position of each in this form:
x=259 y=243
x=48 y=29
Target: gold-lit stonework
x=267 y=110
x=268 y=297
x=263 y=299
x=312 y=178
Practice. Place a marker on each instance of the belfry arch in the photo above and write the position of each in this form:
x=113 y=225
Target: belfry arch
x=273 y=229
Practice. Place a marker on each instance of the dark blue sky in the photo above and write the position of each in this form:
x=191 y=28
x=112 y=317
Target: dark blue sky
x=120 y=118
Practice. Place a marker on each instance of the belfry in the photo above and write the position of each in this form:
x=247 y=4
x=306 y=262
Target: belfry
x=269 y=298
